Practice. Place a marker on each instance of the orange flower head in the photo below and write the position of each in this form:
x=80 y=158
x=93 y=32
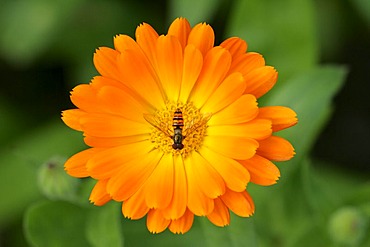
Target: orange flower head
x=175 y=129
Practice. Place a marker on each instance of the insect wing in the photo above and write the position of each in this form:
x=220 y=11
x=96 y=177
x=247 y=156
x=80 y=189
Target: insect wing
x=206 y=117
x=155 y=122
x=195 y=125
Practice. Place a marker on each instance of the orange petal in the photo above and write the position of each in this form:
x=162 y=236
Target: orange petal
x=99 y=195
x=260 y=80
x=84 y=97
x=229 y=90
x=100 y=81
x=104 y=125
x=234 y=147
x=159 y=187
x=138 y=73
x=146 y=37
x=193 y=62
x=247 y=62
x=202 y=37
x=183 y=224
x=258 y=129
x=76 y=165
x=280 y=116
x=276 y=148
x=104 y=142
x=124 y=42
x=106 y=163
x=105 y=61
x=208 y=179
x=236 y=46
x=72 y=118
x=119 y=102
x=131 y=176
x=180 y=28
x=240 y=203
x=236 y=177
x=198 y=202
x=155 y=221
x=262 y=171
x=215 y=67
x=241 y=110
x=108 y=99
x=177 y=207
x=220 y=215
x=135 y=207
x=169 y=65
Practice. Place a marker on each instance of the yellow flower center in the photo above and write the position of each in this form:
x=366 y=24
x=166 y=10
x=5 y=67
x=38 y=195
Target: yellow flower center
x=190 y=134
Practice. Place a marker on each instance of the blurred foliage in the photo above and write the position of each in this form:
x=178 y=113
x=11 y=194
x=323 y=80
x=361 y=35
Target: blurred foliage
x=46 y=48
x=287 y=24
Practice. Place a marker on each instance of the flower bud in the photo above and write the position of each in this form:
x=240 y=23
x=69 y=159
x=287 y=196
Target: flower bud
x=53 y=181
x=347 y=226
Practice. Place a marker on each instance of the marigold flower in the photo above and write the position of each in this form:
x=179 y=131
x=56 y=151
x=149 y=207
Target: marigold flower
x=175 y=129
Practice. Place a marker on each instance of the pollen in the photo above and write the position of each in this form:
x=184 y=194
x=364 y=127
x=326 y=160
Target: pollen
x=194 y=130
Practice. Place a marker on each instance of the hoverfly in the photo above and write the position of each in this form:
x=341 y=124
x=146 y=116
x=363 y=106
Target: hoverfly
x=178 y=125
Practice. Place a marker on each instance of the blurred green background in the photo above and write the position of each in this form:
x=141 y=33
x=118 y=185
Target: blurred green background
x=322 y=52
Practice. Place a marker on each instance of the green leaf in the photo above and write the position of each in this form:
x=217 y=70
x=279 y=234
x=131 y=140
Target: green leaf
x=203 y=233
x=194 y=10
x=310 y=94
x=321 y=183
x=240 y=232
x=20 y=161
x=282 y=31
x=137 y=234
x=54 y=224
x=281 y=210
x=104 y=226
